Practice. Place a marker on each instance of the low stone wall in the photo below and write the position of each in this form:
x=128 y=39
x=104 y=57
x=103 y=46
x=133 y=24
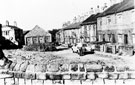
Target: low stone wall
x=26 y=74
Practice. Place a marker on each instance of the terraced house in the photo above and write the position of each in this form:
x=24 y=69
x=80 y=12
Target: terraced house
x=89 y=27
x=115 y=25
x=69 y=34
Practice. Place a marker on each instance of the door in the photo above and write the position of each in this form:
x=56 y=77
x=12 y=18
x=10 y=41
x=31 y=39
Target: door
x=125 y=39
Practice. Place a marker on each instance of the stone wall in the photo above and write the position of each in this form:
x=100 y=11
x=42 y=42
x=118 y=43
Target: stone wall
x=89 y=73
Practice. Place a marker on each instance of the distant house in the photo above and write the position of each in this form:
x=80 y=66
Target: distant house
x=36 y=36
x=90 y=28
x=69 y=34
x=13 y=33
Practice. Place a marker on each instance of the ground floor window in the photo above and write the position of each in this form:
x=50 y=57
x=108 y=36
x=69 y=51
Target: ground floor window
x=113 y=39
x=103 y=37
x=123 y=38
x=133 y=38
x=119 y=38
x=35 y=40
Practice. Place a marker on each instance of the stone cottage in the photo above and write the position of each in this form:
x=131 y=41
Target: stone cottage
x=36 y=36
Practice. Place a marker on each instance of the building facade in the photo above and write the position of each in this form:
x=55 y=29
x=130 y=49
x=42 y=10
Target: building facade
x=89 y=29
x=115 y=25
x=69 y=34
x=37 y=36
x=13 y=33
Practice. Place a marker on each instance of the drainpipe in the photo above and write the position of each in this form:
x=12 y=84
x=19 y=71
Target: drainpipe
x=133 y=34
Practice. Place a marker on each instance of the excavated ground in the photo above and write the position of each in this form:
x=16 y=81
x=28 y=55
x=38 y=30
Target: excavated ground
x=51 y=61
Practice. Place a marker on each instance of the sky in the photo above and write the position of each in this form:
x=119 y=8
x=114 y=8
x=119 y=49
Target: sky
x=48 y=14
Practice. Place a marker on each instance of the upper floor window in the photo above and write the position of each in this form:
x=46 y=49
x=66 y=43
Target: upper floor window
x=100 y=22
x=119 y=18
x=108 y=20
x=5 y=32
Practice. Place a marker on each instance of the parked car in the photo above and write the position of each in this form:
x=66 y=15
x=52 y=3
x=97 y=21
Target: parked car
x=82 y=48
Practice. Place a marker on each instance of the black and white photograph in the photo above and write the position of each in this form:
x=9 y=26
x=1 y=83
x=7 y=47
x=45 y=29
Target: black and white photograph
x=67 y=42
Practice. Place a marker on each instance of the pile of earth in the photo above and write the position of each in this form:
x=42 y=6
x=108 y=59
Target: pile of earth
x=42 y=61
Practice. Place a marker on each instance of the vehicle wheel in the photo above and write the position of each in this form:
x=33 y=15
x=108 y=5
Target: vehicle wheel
x=73 y=50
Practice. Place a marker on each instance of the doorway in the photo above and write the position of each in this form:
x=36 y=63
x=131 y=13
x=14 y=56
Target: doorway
x=125 y=39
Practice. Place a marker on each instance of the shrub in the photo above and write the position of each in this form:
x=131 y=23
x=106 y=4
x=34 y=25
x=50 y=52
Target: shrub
x=40 y=47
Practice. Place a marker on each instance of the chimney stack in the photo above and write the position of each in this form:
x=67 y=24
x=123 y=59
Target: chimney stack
x=15 y=23
x=105 y=6
x=91 y=11
x=97 y=10
x=7 y=23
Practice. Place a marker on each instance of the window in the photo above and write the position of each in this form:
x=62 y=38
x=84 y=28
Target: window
x=120 y=38
x=103 y=37
x=109 y=37
x=100 y=22
x=119 y=19
x=108 y=20
x=6 y=32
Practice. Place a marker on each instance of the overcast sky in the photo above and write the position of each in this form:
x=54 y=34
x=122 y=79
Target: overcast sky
x=48 y=14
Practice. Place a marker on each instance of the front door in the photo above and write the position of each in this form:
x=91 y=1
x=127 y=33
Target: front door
x=125 y=39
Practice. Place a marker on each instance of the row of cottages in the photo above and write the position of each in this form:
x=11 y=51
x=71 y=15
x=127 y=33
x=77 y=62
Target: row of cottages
x=115 y=25
x=85 y=31
x=13 y=34
x=37 y=36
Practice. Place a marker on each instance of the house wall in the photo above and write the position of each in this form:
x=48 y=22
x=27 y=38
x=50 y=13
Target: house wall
x=19 y=36
x=41 y=39
x=88 y=32
x=48 y=38
x=119 y=25
x=13 y=34
x=71 y=36
x=37 y=39
x=8 y=33
x=29 y=41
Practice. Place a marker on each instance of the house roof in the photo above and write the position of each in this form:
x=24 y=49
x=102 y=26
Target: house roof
x=13 y=27
x=73 y=26
x=119 y=7
x=25 y=32
x=91 y=20
x=127 y=5
x=37 y=31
